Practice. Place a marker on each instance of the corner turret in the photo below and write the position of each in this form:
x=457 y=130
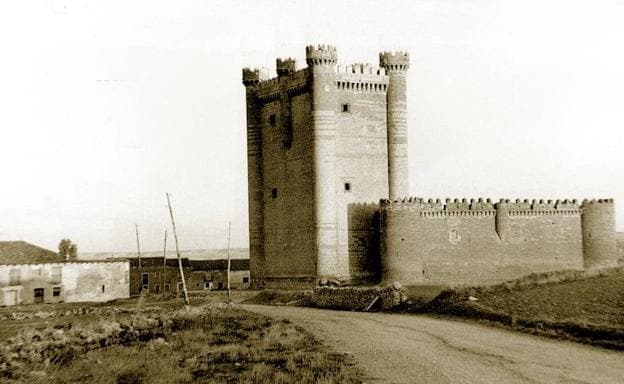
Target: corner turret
x=394 y=61
x=285 y=66
x=321 y=54
x=598 y=227
x=396 y=65
x=321 y=60
x=251 y=77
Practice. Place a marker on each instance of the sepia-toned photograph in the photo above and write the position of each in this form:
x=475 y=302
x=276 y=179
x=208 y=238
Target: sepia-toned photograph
x=312 y=192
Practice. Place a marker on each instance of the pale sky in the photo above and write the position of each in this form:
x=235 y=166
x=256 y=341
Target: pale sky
x=107 y=105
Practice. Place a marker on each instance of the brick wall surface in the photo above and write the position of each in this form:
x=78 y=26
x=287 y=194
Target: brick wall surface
x=466 y=247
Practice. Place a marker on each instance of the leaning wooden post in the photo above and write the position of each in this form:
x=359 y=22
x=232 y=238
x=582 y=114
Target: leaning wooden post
x=228 y=255
x=164 y=272
x=175 y=236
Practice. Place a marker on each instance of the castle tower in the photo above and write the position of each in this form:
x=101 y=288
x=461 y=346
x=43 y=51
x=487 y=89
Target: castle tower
x=598 y=227
x=317 y=152
x=321 y=62
x=396 y=65
x=251 y=79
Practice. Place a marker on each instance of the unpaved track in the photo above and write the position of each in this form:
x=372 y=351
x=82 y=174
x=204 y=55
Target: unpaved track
x=394 y=348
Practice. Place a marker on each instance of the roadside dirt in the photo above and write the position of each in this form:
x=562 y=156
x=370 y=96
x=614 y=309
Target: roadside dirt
x=398 y=348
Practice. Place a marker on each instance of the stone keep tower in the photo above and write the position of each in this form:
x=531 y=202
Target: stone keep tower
x=320 y=140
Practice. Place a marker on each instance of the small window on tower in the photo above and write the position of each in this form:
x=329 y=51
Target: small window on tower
x=272 y=120
x=274 y=193
x=346 y=108
x=347 y=187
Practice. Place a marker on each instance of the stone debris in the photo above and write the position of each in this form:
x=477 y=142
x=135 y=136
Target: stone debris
x=359 y=298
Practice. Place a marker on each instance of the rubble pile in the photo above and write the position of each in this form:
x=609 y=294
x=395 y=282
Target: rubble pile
x=359 y=298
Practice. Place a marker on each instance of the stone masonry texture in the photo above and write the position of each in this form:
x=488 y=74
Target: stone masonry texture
x=328 y=180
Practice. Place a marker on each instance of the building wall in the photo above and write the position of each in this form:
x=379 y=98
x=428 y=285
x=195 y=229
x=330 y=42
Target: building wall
x=312 y=149
x=218 y=280
x=289 y=220
x=435 y=243
x=362 y=162
x=75 y=282
x=159 y=280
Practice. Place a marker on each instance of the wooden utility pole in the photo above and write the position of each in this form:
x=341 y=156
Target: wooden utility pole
x=136 y=229
x=164 y=264
x=175 y=236
x=229 y=264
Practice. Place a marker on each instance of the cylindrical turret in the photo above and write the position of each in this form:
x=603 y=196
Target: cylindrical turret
x=251 y=78
x=322 y=60
x=599 y=237
x=502 y=219
x=398 y=259
x=396 y=65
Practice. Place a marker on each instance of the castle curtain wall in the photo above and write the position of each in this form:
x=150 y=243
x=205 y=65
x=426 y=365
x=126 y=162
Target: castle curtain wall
x=421 y=245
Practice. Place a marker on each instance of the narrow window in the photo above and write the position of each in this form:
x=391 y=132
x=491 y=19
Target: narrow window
x=56 y=291
x=157 y=288
x=345 y=108
x=347 y=187
x=272 y=120
x=167 y=287
x=145 y=279
x=103 y=288
x=454 y=236
x=274 y=193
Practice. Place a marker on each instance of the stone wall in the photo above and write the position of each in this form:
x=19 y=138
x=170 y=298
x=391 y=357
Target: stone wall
x=364 y=242
x=454 y=244
x=361 y=166
x=289 y=221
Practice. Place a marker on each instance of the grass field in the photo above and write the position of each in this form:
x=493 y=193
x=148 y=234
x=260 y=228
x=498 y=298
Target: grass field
x=582 y=306
x=157 y=343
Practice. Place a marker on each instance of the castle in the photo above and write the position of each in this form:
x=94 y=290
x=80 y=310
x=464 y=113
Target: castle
x=328 y=180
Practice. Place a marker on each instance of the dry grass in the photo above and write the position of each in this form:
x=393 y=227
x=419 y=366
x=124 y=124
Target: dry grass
x=585 y=306
x=206 y=345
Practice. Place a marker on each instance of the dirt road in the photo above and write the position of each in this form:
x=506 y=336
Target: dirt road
x=393 y=348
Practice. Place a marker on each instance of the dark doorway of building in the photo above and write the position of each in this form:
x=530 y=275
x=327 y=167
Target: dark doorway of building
x=38 y=295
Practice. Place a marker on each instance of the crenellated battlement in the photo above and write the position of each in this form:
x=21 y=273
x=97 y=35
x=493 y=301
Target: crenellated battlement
x=394 y=61
x=361 y=68
x=361 y=78
x=321 y=54
x=285 y=66
x=537 y=205
x=465 y=207
x=596 y=202
x=251 y=77
x=294 y=83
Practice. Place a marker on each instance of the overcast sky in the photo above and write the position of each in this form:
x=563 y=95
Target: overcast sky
x=107 y=105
